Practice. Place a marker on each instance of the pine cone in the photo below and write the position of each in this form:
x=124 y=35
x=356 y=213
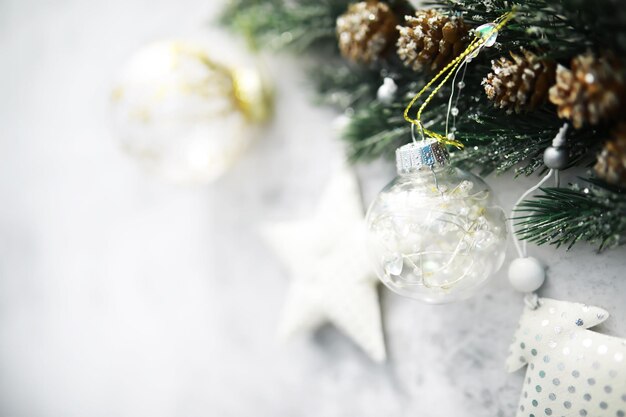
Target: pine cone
x=366 y=30
x=591 y=91
x=520 y=84
x=611 y=163
x=431 y=40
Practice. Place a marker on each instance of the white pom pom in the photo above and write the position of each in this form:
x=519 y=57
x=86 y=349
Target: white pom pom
x=526 y=274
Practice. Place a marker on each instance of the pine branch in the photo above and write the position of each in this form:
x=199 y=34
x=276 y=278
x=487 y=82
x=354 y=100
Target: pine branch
x=276 y=24
x=344 y=86
x=495 y=141
x=560 y=28
x=372 y=137
x=562 y=216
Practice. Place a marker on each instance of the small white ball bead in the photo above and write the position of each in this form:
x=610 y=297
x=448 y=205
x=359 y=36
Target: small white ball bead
x=387 y=91
x=526 y=274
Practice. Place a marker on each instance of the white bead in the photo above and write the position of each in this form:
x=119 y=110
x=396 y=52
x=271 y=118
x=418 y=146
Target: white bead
x=526 y=274
x=387 y=91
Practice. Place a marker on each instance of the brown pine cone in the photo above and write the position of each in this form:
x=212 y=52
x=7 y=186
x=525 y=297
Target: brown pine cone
x=366 y=30
x=590 y=91
x=430 y=40
x=520 y=84
x=611 y=163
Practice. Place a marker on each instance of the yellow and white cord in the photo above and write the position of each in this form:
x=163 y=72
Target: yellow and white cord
x=448 y=70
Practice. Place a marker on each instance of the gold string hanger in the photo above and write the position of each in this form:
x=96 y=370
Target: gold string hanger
x=479 y=40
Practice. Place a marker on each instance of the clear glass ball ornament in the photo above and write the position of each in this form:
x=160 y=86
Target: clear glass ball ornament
x=435 y=233
x=187 y=109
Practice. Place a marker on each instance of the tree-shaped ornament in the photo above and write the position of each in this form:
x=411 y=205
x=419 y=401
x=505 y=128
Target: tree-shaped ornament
x=571 y=371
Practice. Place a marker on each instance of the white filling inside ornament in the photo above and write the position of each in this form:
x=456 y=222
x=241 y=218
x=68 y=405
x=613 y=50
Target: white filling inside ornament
x=435 y=233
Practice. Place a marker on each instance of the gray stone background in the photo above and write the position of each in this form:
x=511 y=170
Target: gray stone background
x=124 y=296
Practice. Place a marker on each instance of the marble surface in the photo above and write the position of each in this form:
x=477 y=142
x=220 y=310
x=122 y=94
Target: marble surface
x=124 y=296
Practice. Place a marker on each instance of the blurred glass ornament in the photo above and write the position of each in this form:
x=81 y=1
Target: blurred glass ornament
x=184 y=115
x=435 y=232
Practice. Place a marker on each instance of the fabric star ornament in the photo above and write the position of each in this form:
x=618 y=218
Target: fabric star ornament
x=331 y=277
x=571 y=371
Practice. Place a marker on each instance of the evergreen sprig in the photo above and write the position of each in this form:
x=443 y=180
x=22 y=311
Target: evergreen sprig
x=564 y=216
x=276 y=24
x=344 y=86
x=494 y=141
x=561 y=28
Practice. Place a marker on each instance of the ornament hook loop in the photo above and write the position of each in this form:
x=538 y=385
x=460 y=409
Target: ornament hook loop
x=422 y=137
x=532 y=301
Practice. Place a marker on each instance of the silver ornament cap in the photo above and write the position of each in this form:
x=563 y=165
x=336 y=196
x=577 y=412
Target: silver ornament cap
x=416 y=156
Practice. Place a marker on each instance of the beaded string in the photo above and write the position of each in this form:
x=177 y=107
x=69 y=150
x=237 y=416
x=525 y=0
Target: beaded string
x=450 y=69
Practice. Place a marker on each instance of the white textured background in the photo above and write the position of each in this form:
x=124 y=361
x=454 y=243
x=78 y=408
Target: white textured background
x=124 y=296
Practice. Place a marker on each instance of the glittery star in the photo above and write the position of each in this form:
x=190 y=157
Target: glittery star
x=567 y=364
